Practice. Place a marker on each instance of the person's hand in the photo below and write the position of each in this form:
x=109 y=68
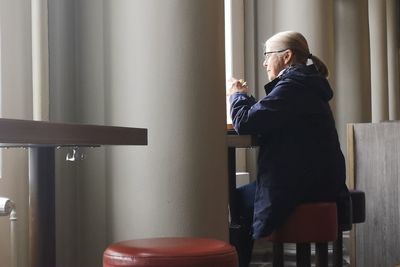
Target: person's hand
x=236 y=86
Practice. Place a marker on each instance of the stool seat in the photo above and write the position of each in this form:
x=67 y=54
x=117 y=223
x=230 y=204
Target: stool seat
x=169 y=252
x=310 y=222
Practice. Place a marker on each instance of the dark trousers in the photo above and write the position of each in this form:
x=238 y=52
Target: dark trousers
x=242 y=221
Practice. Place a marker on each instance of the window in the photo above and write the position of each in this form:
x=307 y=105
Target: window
x=234 y=59
x=234 y=42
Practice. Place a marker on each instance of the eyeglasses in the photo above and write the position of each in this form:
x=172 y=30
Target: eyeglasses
x=267 y=55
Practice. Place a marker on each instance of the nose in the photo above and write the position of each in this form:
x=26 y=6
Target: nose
x=265 y=63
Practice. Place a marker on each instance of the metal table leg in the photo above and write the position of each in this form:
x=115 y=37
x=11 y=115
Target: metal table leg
x=42 y=239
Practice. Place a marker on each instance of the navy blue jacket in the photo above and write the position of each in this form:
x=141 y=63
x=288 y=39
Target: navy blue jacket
x=299 y=158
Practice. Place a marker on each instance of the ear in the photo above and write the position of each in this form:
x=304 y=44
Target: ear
x=288 y=57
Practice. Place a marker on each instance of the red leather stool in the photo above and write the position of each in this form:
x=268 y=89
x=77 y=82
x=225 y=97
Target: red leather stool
x=309 y=223
x=170 y=252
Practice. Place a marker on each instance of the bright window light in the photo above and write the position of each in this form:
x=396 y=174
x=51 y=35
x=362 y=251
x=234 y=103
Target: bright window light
x=1 y=83
x=228 y=51
x=234 y=42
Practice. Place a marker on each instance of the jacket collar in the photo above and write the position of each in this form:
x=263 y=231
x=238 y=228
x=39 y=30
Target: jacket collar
x=284 y=73
x=269 y=86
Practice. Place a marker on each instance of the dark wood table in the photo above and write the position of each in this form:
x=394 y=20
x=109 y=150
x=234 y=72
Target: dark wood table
x=41 y=138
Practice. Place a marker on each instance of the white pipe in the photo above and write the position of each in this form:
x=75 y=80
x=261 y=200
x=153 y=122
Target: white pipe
x=6 y=206
x=13 y=238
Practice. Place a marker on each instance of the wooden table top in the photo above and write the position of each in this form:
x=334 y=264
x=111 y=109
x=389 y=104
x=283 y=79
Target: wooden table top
x=239 y=141
x=25 y=133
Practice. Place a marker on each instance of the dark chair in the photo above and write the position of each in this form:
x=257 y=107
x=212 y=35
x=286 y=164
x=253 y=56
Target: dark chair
x=357 y=215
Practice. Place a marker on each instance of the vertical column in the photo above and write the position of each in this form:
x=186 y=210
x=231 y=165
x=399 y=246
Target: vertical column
x=379 y=69
x=40 y=60
x=42 y=238
x=352 y=65
x=252 y=55
x=167 y=76
x=41 y=160
x=392 y=10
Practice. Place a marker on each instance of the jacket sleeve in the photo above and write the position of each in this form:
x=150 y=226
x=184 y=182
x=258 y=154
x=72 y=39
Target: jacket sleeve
x=251 y=117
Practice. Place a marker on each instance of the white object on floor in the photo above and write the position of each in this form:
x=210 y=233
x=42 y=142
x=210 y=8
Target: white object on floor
x=242 y=178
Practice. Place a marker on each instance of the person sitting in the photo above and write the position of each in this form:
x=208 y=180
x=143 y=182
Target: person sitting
x=299 y=159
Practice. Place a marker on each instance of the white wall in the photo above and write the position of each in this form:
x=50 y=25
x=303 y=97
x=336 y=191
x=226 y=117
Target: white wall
x=16 y=98
x=166 y=73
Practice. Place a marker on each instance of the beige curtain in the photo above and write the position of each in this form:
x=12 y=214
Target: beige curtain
x=40 y=59
x=359 y=41
x=383 y=16
x=393 y=44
